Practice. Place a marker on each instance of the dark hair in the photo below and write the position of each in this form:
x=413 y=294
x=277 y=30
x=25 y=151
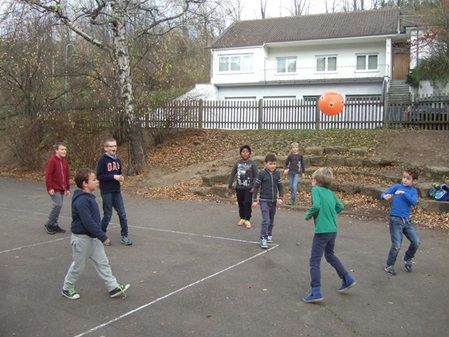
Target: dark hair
x=413 y=172
x=245 y=147
x=270 y=157
x=82 y=175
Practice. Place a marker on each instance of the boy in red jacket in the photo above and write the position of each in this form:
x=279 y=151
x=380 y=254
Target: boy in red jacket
x=57 y=180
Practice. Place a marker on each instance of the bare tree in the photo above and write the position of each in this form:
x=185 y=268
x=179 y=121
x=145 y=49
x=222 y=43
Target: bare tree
x=119 y=16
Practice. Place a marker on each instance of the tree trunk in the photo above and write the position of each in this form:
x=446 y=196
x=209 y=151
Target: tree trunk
x=136 y=154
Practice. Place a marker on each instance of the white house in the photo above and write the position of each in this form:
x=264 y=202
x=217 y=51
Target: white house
x=358 y=53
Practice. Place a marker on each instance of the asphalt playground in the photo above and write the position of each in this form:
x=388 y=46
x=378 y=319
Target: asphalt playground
x=194 y=272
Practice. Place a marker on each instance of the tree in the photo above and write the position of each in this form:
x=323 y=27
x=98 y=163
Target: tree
x=125 y=20
x=433 y=43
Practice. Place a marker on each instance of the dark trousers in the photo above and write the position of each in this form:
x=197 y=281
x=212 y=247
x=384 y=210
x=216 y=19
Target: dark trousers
x=114 y=200
x=324 y=244
x=244 y=200
x=268 y=210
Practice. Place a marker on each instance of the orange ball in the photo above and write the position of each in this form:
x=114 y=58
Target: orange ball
x=331 y=103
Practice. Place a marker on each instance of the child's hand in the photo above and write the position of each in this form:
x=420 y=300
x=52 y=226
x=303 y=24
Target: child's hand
x=255 y=204
x=286 y=171
x=388 y=196
x=399 y=192
x=51 y=192
x=279 y=202
x=106 y=242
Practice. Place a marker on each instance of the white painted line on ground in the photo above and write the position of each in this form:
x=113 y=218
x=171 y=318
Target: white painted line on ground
x=172 y=293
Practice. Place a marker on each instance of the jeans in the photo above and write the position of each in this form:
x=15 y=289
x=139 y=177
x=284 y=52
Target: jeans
x=324 y=244
x=115 y=200
x=244 y=200
x=56 y=207
x=268 y=210
x=399 y=226
x=293 y=180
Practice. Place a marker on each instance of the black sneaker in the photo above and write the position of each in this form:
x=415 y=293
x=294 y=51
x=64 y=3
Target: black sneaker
x=70 y=294
x=58 y=229
x=50 y=229
x=119 y=290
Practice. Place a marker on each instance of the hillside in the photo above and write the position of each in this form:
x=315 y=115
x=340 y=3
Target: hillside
x=177 y=166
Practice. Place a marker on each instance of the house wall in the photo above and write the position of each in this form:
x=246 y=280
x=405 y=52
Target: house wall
x=297 y=91
x=265 y=62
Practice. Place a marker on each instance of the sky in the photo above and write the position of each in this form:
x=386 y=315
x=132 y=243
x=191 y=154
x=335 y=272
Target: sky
x=276 y=8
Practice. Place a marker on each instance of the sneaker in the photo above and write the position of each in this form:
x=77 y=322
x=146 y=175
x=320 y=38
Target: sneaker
x=291 y=202
x=263 y=243
x=58 y=229
x=70 y=294
x=126 y=241
x=314 y=296
x=270 y=239
x=408 y=264
x=390 y=270
x=119 y=290
x=50 y=229
x=348 y=282
x=247 y=224
x=241 y=222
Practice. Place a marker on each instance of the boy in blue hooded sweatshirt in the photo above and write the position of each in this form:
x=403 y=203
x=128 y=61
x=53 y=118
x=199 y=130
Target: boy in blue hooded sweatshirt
x=88 y=238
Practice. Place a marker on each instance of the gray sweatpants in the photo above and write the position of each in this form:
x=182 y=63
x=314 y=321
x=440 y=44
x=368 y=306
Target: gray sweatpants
x=83 y=248
x=56 y=207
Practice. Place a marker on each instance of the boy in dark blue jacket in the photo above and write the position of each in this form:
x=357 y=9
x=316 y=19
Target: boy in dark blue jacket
x=109 y=173
x=271 y=196
x=88 y=238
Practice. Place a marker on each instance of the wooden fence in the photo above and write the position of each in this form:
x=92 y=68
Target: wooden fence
x=360 y=112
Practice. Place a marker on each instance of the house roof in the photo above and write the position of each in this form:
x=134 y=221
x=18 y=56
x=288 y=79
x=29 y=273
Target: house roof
x=310 y=27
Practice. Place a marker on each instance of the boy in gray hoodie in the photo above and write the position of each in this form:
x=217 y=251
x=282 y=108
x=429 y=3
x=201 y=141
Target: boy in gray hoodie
x=271 y=197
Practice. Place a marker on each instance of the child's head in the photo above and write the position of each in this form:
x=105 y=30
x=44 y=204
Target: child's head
x=110 y=146
x=86 y=180
x=409 y=176
x=60 y=150
x=323 y=176
x=270 y=162
x=245 y=152
x=295 y=147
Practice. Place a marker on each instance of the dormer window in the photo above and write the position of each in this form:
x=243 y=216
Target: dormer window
x=235 y=63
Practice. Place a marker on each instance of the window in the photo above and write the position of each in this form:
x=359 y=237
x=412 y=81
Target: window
x=286 y=65
x=235 y=63
x=367 y=62
x=326 y=63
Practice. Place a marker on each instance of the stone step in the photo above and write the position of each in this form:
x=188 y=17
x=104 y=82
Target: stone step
x=372 y=190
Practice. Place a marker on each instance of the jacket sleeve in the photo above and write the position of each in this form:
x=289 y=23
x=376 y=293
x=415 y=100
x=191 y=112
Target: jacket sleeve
x=391 y=190
x=49 y=168
x=67 y=174
x=232 y=175
x=316 y=205
x=256 y=185
x=303 y=170
x=412 y=197
x=338 y=205
x=280 y=186
x=255 y=169
x=287 y=162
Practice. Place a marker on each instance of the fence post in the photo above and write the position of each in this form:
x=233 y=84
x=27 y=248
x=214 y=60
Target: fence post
x=386 y=112
x=200 y=114
x=260 y=115
x=317 y=115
